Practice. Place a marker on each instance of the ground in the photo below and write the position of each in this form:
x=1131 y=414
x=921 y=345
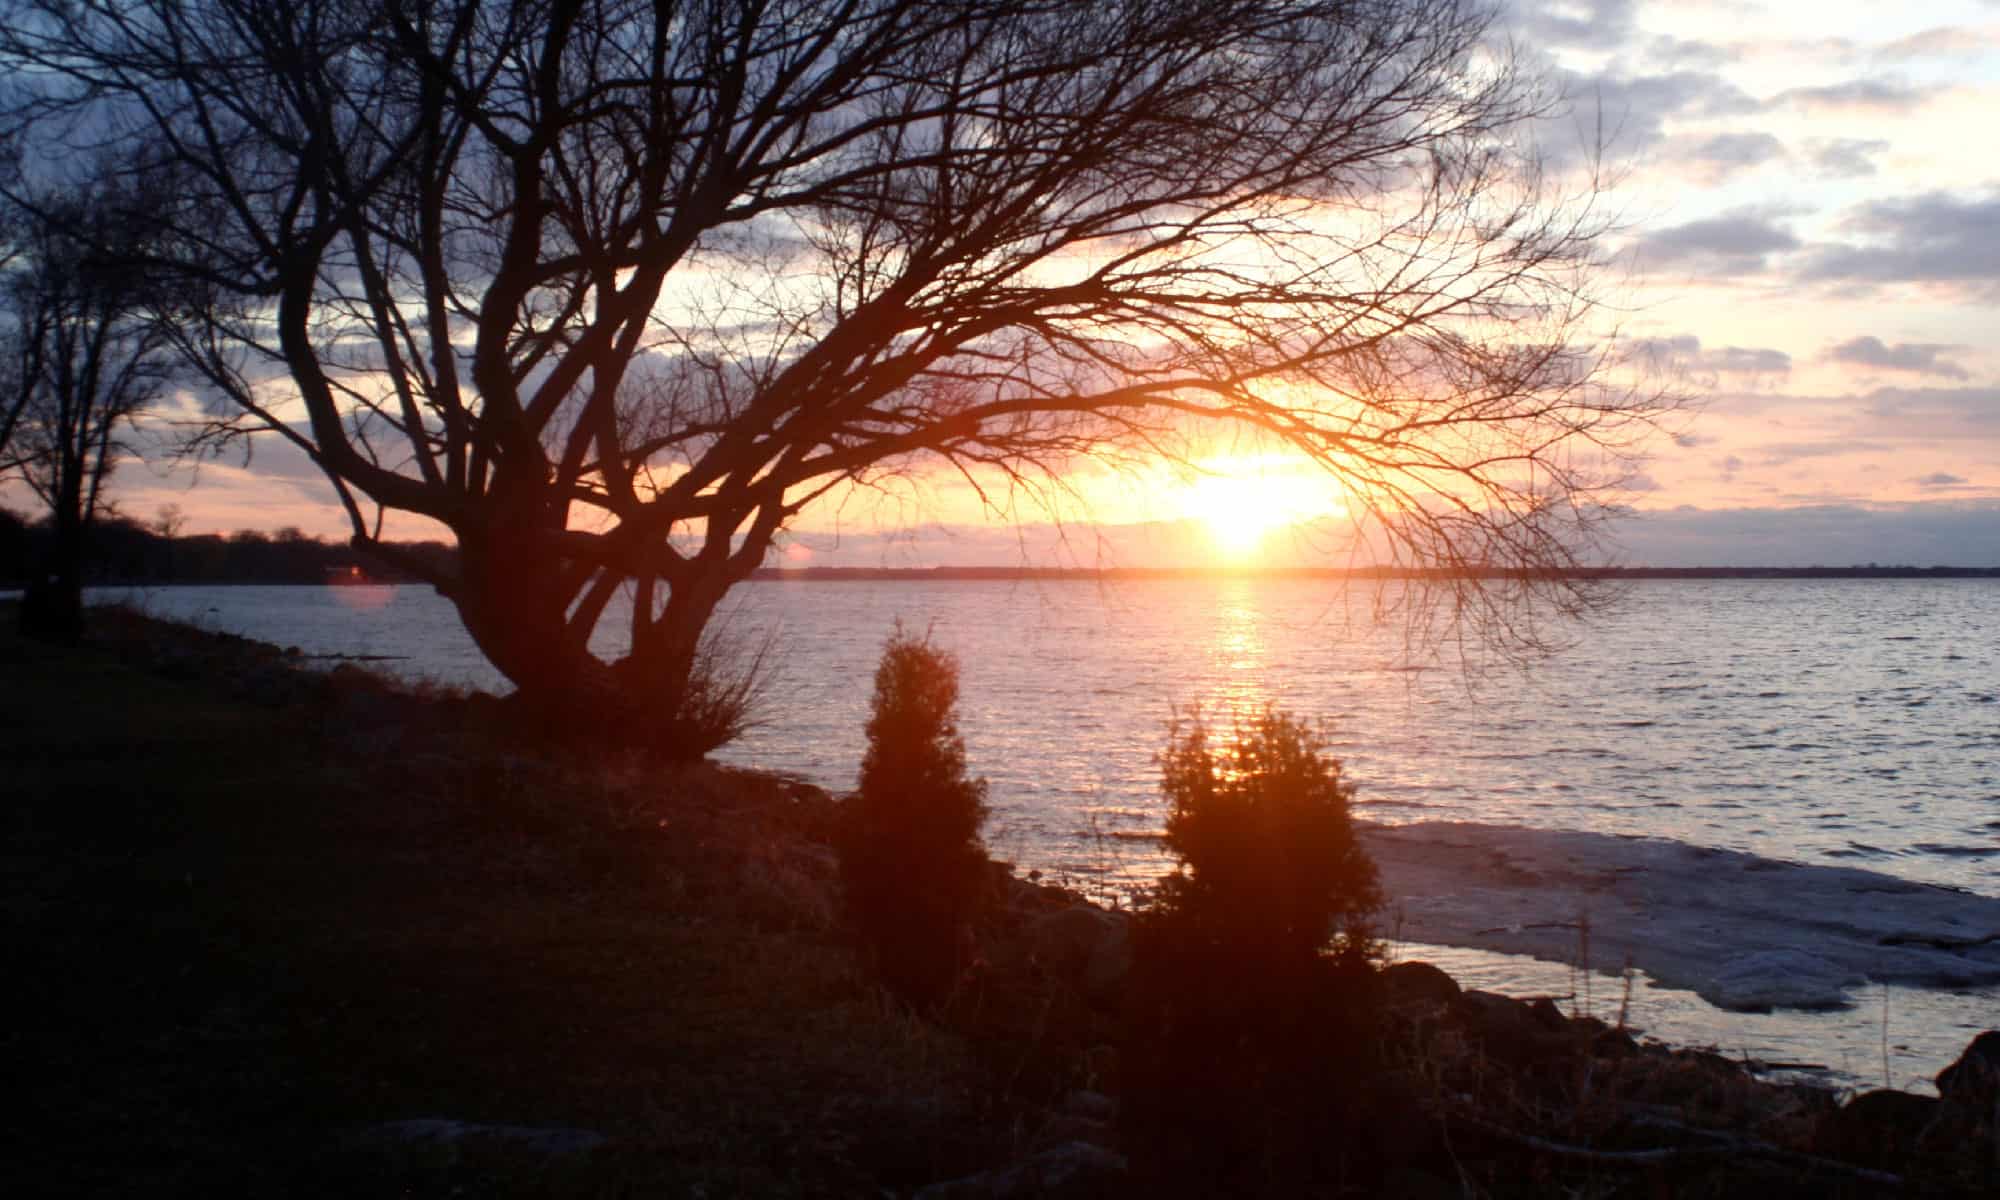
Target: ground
x=245 y=935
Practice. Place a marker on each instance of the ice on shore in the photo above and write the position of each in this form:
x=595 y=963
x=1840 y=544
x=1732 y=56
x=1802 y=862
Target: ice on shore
x=1744 y=932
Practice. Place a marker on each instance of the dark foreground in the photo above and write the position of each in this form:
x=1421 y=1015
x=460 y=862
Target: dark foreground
x=289 y=933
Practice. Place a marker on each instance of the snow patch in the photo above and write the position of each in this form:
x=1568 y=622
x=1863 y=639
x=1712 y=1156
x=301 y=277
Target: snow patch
x=1744 y=931
x=1770 y=979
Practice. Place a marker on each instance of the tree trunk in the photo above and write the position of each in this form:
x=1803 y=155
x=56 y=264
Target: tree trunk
x=52 y=605
x=658 y=697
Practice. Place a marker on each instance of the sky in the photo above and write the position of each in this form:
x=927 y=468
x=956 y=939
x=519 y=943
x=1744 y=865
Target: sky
x=1809 y=239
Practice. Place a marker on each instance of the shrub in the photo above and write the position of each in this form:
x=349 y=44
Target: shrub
x=911 y=862
x=1269 y=864
x=1251 y=996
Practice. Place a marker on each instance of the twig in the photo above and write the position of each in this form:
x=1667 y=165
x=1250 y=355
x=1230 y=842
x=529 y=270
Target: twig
x=1888 y=1080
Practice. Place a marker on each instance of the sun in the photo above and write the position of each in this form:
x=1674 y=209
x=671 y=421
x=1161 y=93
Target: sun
x=1242 y=502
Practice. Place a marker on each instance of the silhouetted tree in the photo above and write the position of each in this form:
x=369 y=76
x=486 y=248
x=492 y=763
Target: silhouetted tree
x=911 y=862
x=614 y=290
x=87 y=351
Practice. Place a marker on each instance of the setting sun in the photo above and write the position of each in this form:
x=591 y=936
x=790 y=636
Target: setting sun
x=1241 y=501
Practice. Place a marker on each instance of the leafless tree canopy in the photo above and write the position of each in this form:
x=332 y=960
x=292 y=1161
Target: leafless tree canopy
x=82 y=350
x=614 y=289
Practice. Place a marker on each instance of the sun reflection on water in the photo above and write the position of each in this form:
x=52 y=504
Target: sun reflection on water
x=1238 y=687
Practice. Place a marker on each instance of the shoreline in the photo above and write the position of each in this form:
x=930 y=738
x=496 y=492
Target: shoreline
x=406 y=851
x=1519 y=891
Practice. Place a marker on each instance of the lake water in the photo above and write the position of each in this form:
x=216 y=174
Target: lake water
x=1851 y=721
x=1841 y=722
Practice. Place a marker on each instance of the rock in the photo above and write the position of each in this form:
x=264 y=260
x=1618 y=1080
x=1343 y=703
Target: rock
x=1410 y=985
x=1489 y=1016
x=1973 y=1082
x=1547 y=1015
x=1071 y=1170
x=1510 y=1031
x=1085 y=945
x=1613 y=1043
x=1876 y=1129
x=1104 y=976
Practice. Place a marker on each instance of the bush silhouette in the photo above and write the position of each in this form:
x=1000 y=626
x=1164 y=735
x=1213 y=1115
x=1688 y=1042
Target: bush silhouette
x=1269 y=865
x=1251 y=999
x=912 y=865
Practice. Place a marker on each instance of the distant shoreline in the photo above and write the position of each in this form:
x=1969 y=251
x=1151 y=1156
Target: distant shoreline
x=1125 y=574
x=864 y=574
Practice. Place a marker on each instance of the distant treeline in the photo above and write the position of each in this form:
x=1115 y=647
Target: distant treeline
x=126 y=551
x=1868 y=571
x=122 y=551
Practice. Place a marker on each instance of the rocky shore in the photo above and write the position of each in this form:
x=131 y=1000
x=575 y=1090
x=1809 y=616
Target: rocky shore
x=415 y=953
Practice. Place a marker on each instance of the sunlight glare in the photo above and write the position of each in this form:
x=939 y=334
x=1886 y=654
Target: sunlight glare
x=1241 y=502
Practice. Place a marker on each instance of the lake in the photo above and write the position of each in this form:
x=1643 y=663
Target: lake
x=1846 y=721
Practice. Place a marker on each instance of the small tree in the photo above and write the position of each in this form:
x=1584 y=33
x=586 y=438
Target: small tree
x=912 y=864
x=84 y=354
x=1269 y=865
x=1250 y=989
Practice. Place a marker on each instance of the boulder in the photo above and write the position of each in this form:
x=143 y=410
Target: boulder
x=1876 y=1129
x=1085 y=945
x=1415 y=985
x=1512 y=1031
x=1973 y=1082
x=1548 y=1016
x=1490 y=1016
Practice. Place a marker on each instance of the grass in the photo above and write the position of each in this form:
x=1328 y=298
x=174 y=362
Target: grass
x=248 y=933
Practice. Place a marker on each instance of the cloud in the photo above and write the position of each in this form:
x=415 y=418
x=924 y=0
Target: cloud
x=1738 y=244
x=1629 y=113
x=1939 y=479
x=1932 y=414
x=1778 y=454
x=1845 y=158
x=1920 y=358
x=1685 y=353
x=1932 y=238
x=1946 y=41
x=1583 y=24
x=1716 y=158
x=1858 y=96
x=1961 y=533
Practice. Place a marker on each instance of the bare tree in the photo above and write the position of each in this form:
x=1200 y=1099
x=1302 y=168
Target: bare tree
x=614 y=290
x=85 y=353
